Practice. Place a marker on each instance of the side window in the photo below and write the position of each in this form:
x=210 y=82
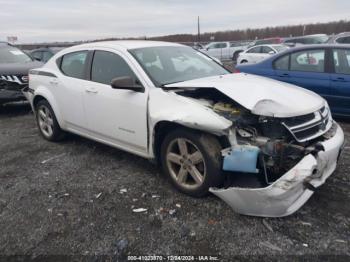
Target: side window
x=308 y=61
x=46 y=56
x=218 y=45
x=254 y=50
x=342 y=61
x=106 y=66
x=343 y=40
x=37 y=55
x=266 y=50
x=282 y=63
x=73 y=64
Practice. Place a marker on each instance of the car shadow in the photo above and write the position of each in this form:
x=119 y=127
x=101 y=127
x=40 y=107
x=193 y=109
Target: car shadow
x=15 y=109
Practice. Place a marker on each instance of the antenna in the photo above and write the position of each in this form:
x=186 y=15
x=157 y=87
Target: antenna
x=199 y=31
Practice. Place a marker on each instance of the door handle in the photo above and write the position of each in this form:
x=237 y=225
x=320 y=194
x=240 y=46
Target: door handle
x=339 y=79
x=284 y=75
x=53 y=82
x=91 y=91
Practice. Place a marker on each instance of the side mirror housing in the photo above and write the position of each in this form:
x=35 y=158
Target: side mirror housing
x=126 y=83
x=271 y=52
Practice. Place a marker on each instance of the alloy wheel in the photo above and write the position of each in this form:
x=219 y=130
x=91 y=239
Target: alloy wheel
x=45 y=121
x=185 y=163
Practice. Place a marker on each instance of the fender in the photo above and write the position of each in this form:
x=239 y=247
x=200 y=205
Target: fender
x=170 y=107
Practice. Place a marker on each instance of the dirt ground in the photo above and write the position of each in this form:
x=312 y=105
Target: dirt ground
x=74 y=199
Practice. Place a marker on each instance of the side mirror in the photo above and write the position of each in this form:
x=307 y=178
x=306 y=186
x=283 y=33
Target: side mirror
x=126 y=83
x=271 y=52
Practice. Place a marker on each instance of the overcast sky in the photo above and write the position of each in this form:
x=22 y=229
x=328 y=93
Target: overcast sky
x=68 y=20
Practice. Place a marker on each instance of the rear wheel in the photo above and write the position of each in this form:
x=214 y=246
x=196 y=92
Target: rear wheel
x=47 y=122
x=192 y=161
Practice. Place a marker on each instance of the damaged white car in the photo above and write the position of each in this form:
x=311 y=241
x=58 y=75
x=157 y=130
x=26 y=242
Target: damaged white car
x=261 y=145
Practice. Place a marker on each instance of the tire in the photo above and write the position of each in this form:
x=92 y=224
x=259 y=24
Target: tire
x=184 y=153
x=244 y=61
x=47 y=122
x=235 y=56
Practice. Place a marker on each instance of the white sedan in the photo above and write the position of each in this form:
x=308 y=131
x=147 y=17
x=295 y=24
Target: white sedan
x=258 y=53
x=205 y=126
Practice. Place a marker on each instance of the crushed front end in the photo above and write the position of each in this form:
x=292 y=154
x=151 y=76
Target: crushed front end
x=272 y=164
x=285 y=160
x=11 y=88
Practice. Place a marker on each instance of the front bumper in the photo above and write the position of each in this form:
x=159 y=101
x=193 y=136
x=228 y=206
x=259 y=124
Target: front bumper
x=7 y=96
x=291 y=191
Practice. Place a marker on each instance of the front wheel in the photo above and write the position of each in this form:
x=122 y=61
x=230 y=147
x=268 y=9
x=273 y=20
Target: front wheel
x=192 y=161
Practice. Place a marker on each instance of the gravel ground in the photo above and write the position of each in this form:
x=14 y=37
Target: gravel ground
x=77 y=197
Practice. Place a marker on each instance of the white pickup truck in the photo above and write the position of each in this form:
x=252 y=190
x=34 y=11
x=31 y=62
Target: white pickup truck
x=225 y=50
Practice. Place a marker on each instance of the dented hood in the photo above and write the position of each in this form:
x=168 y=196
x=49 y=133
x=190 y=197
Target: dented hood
x=262 y=96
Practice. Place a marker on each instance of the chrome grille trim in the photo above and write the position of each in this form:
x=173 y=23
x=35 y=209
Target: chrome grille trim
x=311 y=129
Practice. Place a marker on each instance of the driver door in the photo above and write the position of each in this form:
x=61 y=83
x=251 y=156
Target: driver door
x=116 y=116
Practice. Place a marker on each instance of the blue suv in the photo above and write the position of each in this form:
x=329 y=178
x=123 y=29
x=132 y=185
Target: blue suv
x=323 y=69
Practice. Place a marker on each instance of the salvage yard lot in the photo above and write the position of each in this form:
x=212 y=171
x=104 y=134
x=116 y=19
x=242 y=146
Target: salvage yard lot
x=77 y=197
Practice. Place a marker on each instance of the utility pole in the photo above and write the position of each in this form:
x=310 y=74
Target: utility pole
x=199 y=31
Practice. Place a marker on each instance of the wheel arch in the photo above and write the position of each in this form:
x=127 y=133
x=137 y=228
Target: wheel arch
x=162 y=128
x=39 y=95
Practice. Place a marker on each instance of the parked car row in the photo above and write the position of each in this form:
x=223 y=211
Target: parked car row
x=231 y=50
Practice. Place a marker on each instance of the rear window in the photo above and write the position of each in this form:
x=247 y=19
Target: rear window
x=73 y=64
x=343 y=40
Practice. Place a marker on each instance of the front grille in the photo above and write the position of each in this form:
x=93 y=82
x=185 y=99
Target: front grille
x=307 y=127
x=12 y=82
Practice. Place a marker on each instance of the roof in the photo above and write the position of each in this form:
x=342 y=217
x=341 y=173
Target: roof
x=305 y=36
x=316 y=46
x=129 y=44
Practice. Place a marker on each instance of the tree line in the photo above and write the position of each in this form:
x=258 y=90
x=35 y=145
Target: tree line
x=260 y=33
x=232 y=35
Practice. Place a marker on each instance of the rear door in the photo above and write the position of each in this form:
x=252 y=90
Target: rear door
x=69 y=88
x=308 y=69
x=340 y=82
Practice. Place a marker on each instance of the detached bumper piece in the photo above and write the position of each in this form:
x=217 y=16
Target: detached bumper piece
x=291 y=191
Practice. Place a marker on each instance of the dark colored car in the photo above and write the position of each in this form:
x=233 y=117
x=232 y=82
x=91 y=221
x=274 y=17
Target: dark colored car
x=324 y=69
x=14 y=68
x=45 y=53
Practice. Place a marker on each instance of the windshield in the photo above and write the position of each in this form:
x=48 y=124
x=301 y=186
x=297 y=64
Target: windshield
x=9 y=54
x=172 y=64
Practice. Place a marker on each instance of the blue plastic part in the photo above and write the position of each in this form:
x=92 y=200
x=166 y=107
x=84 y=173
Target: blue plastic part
x=242 y=158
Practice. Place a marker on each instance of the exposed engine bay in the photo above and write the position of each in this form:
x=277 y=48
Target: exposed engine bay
x=263 y=147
